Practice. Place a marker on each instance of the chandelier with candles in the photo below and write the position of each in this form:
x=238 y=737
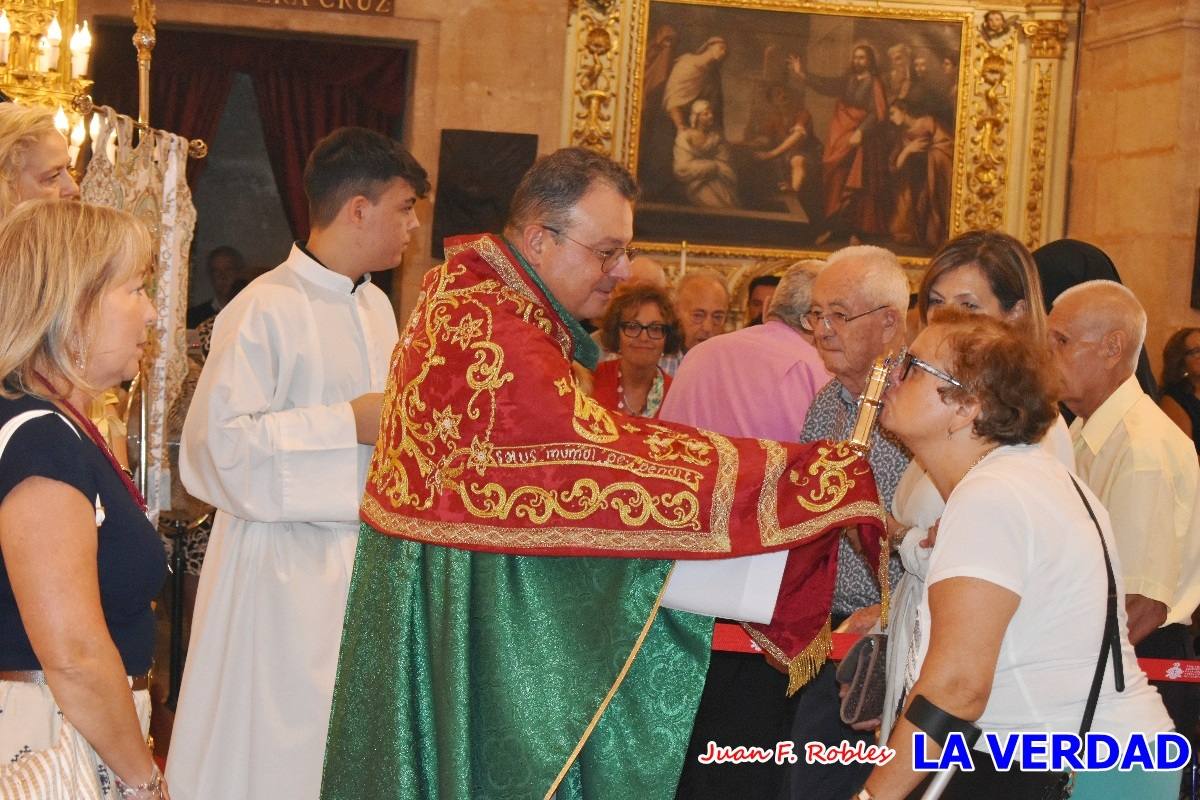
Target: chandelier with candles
x=45 y=56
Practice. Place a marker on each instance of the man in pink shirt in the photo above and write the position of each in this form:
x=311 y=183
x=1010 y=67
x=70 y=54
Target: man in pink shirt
x=758 y=381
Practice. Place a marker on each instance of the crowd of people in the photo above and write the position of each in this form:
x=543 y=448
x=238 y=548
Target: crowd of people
x=493 y=627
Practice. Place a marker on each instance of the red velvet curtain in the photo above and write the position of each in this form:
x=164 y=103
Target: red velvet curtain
x=188 y=90
x=305 y=89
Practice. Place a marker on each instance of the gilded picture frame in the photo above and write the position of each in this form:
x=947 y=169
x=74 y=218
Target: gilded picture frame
x=1010 y=114
x=776 y=126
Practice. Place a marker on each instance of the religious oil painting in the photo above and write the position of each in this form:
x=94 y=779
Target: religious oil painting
x=760 y=126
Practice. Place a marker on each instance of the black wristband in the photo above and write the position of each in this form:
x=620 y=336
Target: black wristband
x=938 y=724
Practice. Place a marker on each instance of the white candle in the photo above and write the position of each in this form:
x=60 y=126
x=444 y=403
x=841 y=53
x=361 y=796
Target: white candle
x=43 y=59
x=61 y=122
x=5 y=32
x=54 y=39
x=81 y=49
x=683 y=259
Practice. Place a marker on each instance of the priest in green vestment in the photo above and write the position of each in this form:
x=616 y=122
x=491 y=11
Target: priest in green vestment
x=504 y=636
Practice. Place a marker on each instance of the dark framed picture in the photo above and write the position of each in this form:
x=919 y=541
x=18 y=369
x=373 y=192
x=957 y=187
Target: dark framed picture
x=759 y=127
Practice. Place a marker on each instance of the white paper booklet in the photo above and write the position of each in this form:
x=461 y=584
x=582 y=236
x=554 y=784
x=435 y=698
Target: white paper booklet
x=743 y=588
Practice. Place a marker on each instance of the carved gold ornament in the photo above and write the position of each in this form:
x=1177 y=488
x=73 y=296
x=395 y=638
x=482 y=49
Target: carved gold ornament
x=594 y=100
x=1046 y=37
x=986 y=166
x=1038 y=137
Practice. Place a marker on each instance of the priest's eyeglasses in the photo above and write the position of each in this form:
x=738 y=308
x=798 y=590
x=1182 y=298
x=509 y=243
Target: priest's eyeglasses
x=903 y=362
x=608 y=258
x=834 y=320
x=655 y=330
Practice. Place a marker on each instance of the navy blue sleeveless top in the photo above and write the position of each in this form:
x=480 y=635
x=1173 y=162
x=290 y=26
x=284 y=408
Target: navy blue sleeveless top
x=131 y=562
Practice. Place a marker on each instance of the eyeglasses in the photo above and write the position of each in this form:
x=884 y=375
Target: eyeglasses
x=904 y=361
x=834 y=320
x=655 y=330
x=608 y=258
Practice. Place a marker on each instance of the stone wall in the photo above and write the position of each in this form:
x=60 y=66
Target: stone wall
x=1135 y=180
x=478 y=64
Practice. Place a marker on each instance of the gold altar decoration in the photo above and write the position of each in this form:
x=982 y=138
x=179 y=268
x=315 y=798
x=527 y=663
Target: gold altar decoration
x=593 y=109
x=1046 y=41
x=1011 y=108
x=44 y=60
x=985 y=175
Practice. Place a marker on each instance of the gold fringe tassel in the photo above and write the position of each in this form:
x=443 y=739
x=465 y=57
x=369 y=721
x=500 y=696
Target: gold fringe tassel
x=885 y=582
x=805 y=665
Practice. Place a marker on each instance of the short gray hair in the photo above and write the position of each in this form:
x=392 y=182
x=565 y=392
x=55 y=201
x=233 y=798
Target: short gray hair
x=793 y=296
x=1118 y=308
x=554 y=185
x=885 y=283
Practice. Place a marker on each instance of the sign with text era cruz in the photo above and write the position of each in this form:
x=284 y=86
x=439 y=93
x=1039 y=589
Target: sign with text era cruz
x=372 y=8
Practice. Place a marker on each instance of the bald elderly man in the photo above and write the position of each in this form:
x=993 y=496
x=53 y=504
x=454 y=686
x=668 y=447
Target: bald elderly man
x=702 y=305
x=644 y=269
x=1140 y=465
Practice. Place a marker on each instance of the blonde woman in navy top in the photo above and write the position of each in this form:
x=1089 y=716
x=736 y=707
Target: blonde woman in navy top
x=79 y=561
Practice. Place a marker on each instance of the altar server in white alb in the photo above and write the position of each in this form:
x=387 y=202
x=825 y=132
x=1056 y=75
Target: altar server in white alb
x=279 y=438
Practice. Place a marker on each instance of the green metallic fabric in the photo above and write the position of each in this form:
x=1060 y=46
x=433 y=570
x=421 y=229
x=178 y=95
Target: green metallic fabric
x=436 y=637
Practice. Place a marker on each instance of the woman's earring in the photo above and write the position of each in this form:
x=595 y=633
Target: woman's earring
x=81 y=359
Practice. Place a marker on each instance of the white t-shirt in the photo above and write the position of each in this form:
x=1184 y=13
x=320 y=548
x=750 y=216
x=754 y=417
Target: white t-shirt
x=1016 y=521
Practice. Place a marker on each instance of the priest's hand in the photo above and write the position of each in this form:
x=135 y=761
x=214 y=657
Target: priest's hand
x=367 y=409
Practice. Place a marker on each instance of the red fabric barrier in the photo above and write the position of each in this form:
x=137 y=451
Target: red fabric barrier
x=729 y=638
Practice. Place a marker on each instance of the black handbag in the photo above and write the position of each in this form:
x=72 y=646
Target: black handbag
x=987 y=782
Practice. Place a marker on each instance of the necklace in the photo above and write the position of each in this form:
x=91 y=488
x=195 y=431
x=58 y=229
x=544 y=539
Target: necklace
x=654 y=395
x=98 y=439
x=975 y=464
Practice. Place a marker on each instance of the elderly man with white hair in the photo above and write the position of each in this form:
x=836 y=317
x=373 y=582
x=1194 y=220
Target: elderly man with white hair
x=859 y=303
x=755 y=382
x=1139 y=464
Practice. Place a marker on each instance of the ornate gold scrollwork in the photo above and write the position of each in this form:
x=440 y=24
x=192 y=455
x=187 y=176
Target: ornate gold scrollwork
x=595 y=75
x=1046 y=37
x=1038 y=149
x=991 y=109
x=826 y=481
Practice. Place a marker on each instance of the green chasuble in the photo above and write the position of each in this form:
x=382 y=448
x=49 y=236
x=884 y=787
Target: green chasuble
x=448 y=633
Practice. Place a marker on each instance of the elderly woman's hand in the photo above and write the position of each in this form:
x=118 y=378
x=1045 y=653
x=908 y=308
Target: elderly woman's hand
x=930 y=535
x=861 y=621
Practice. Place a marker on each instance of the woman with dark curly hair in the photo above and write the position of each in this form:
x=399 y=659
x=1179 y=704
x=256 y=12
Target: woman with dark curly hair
x=1181 y=381
x=640 y=327
x=1016 y=597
